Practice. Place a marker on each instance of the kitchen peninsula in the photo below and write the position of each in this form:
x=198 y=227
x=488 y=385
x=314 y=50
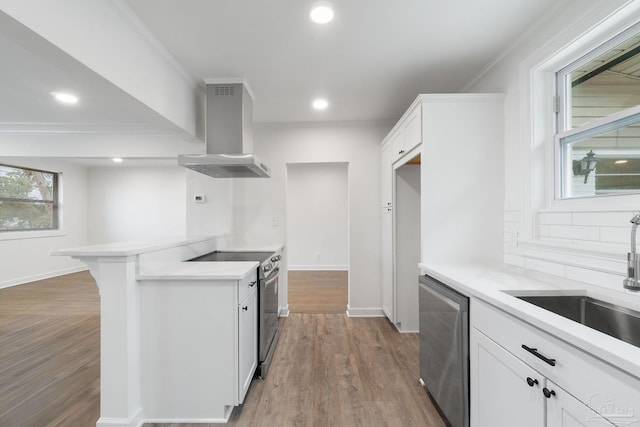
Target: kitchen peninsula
x=169 y=326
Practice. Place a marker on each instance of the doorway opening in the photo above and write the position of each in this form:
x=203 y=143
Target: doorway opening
x=317 y=237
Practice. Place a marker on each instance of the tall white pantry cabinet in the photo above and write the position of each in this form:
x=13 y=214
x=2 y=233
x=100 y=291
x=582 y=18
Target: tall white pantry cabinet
x=457 y=142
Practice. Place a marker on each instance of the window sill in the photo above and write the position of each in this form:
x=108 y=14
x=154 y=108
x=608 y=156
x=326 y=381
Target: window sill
x=17 y=235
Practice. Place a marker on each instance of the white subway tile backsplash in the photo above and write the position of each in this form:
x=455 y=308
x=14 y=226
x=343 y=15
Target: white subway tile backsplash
x=545 y=266
x=597 y=278
x=512 y=216
x=554 y=218
x=615 y=234
x=602 y=219
x=543 y=231
x=512 y=259
x=574 y=232
x=511 y=226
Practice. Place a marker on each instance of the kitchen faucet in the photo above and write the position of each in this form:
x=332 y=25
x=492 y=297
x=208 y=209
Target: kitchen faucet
x=633 y=266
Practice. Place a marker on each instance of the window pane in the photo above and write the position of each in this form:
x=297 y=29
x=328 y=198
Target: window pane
x=604 y=85
x=17 y=216
x=602 y=160
x=28 y=199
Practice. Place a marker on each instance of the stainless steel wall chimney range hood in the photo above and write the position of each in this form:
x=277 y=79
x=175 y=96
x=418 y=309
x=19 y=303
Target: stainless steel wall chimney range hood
x=229 y=135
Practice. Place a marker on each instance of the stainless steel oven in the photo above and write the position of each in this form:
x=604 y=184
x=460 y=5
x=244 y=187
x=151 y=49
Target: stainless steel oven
x=268 y=277
x=269 y=332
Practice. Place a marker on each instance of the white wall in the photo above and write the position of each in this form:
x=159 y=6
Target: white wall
x=131 y=203
x=258 y=202
x=317 y=216
x=25 y=257
x=584 y=239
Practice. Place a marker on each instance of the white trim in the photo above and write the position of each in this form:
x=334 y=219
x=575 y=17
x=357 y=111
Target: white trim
x=365 y=312
x=41 y=276
x=92 y=128
x=283 y=311
x=318 y=268
x=540 y=23
x=325 y=124
x=31 y=234
x=151 y=40
x=135 y=420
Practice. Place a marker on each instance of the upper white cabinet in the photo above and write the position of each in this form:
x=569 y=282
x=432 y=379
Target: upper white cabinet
x=456 y=142
x=462 y=178
x=386 y=161
x=407 y=133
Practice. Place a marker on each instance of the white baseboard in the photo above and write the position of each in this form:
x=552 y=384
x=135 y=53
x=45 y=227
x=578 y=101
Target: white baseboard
x=134 y=421
x=284 y=311
x=42 y=276
x=318 y=267
x=365 y=312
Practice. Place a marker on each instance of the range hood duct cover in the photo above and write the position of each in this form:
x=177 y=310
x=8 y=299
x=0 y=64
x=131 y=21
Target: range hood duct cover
x=229 y=136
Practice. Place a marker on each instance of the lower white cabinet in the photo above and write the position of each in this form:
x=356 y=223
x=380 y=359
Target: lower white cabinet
x=501 y=395
x=515 y=386
x=247 y=342
x=508 y=392
x=198 y=347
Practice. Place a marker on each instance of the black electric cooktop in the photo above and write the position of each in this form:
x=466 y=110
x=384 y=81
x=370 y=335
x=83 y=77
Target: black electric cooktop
x=234 y=256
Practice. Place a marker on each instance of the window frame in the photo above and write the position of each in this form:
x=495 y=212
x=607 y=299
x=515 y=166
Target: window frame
x=55 y=202
x=562 y=119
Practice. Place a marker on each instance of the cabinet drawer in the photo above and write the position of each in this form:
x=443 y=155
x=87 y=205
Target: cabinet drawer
x=591 y=381
x=246 y=286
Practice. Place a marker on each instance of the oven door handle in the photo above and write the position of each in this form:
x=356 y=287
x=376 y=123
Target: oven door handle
x=273 y=275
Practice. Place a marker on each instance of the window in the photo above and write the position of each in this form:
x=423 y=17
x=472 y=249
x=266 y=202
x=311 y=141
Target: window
x=598 y=124
x=28 y=199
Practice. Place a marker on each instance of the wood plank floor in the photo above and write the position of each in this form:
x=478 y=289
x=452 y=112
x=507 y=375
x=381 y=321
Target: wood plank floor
x=50 y=353
x=328 y=369
x=332 y=370
x=317 y=291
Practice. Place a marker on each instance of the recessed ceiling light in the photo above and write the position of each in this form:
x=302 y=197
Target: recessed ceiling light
x=321 y=12
x=65 y=97
x=320 y=104
x=117 y=160
x=621 y=162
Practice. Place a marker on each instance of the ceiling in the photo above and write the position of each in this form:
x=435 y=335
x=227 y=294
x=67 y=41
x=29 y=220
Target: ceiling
x=370 y=62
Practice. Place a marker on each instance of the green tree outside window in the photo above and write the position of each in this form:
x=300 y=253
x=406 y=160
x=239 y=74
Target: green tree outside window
x=28 y=199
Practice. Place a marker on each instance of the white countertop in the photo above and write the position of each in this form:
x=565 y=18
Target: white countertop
x=217 y=270
x=129 y=248
x=487 y=283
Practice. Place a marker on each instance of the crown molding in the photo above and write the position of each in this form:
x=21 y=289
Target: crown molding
x=152 y=41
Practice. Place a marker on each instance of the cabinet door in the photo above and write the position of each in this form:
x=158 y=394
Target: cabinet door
x=500 y=392
x=397 y=142
x=413 y=129
x=247 y=343
x=387 y=264
x=386 y=174
x=564 y=410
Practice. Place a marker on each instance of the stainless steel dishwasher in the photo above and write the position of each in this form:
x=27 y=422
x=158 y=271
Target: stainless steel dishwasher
x=444 y=349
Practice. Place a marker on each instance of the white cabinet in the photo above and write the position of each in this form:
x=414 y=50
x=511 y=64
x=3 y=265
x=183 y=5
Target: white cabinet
x=564 y=410
x=387 y=265
x=508 y=392
x=502 y=395
x=407 y=134
x=512 y=385
x=386 y=177
x=247 y=342
x=198 y=347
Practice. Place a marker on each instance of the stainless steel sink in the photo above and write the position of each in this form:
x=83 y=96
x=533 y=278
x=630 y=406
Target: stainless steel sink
x=618 y=322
